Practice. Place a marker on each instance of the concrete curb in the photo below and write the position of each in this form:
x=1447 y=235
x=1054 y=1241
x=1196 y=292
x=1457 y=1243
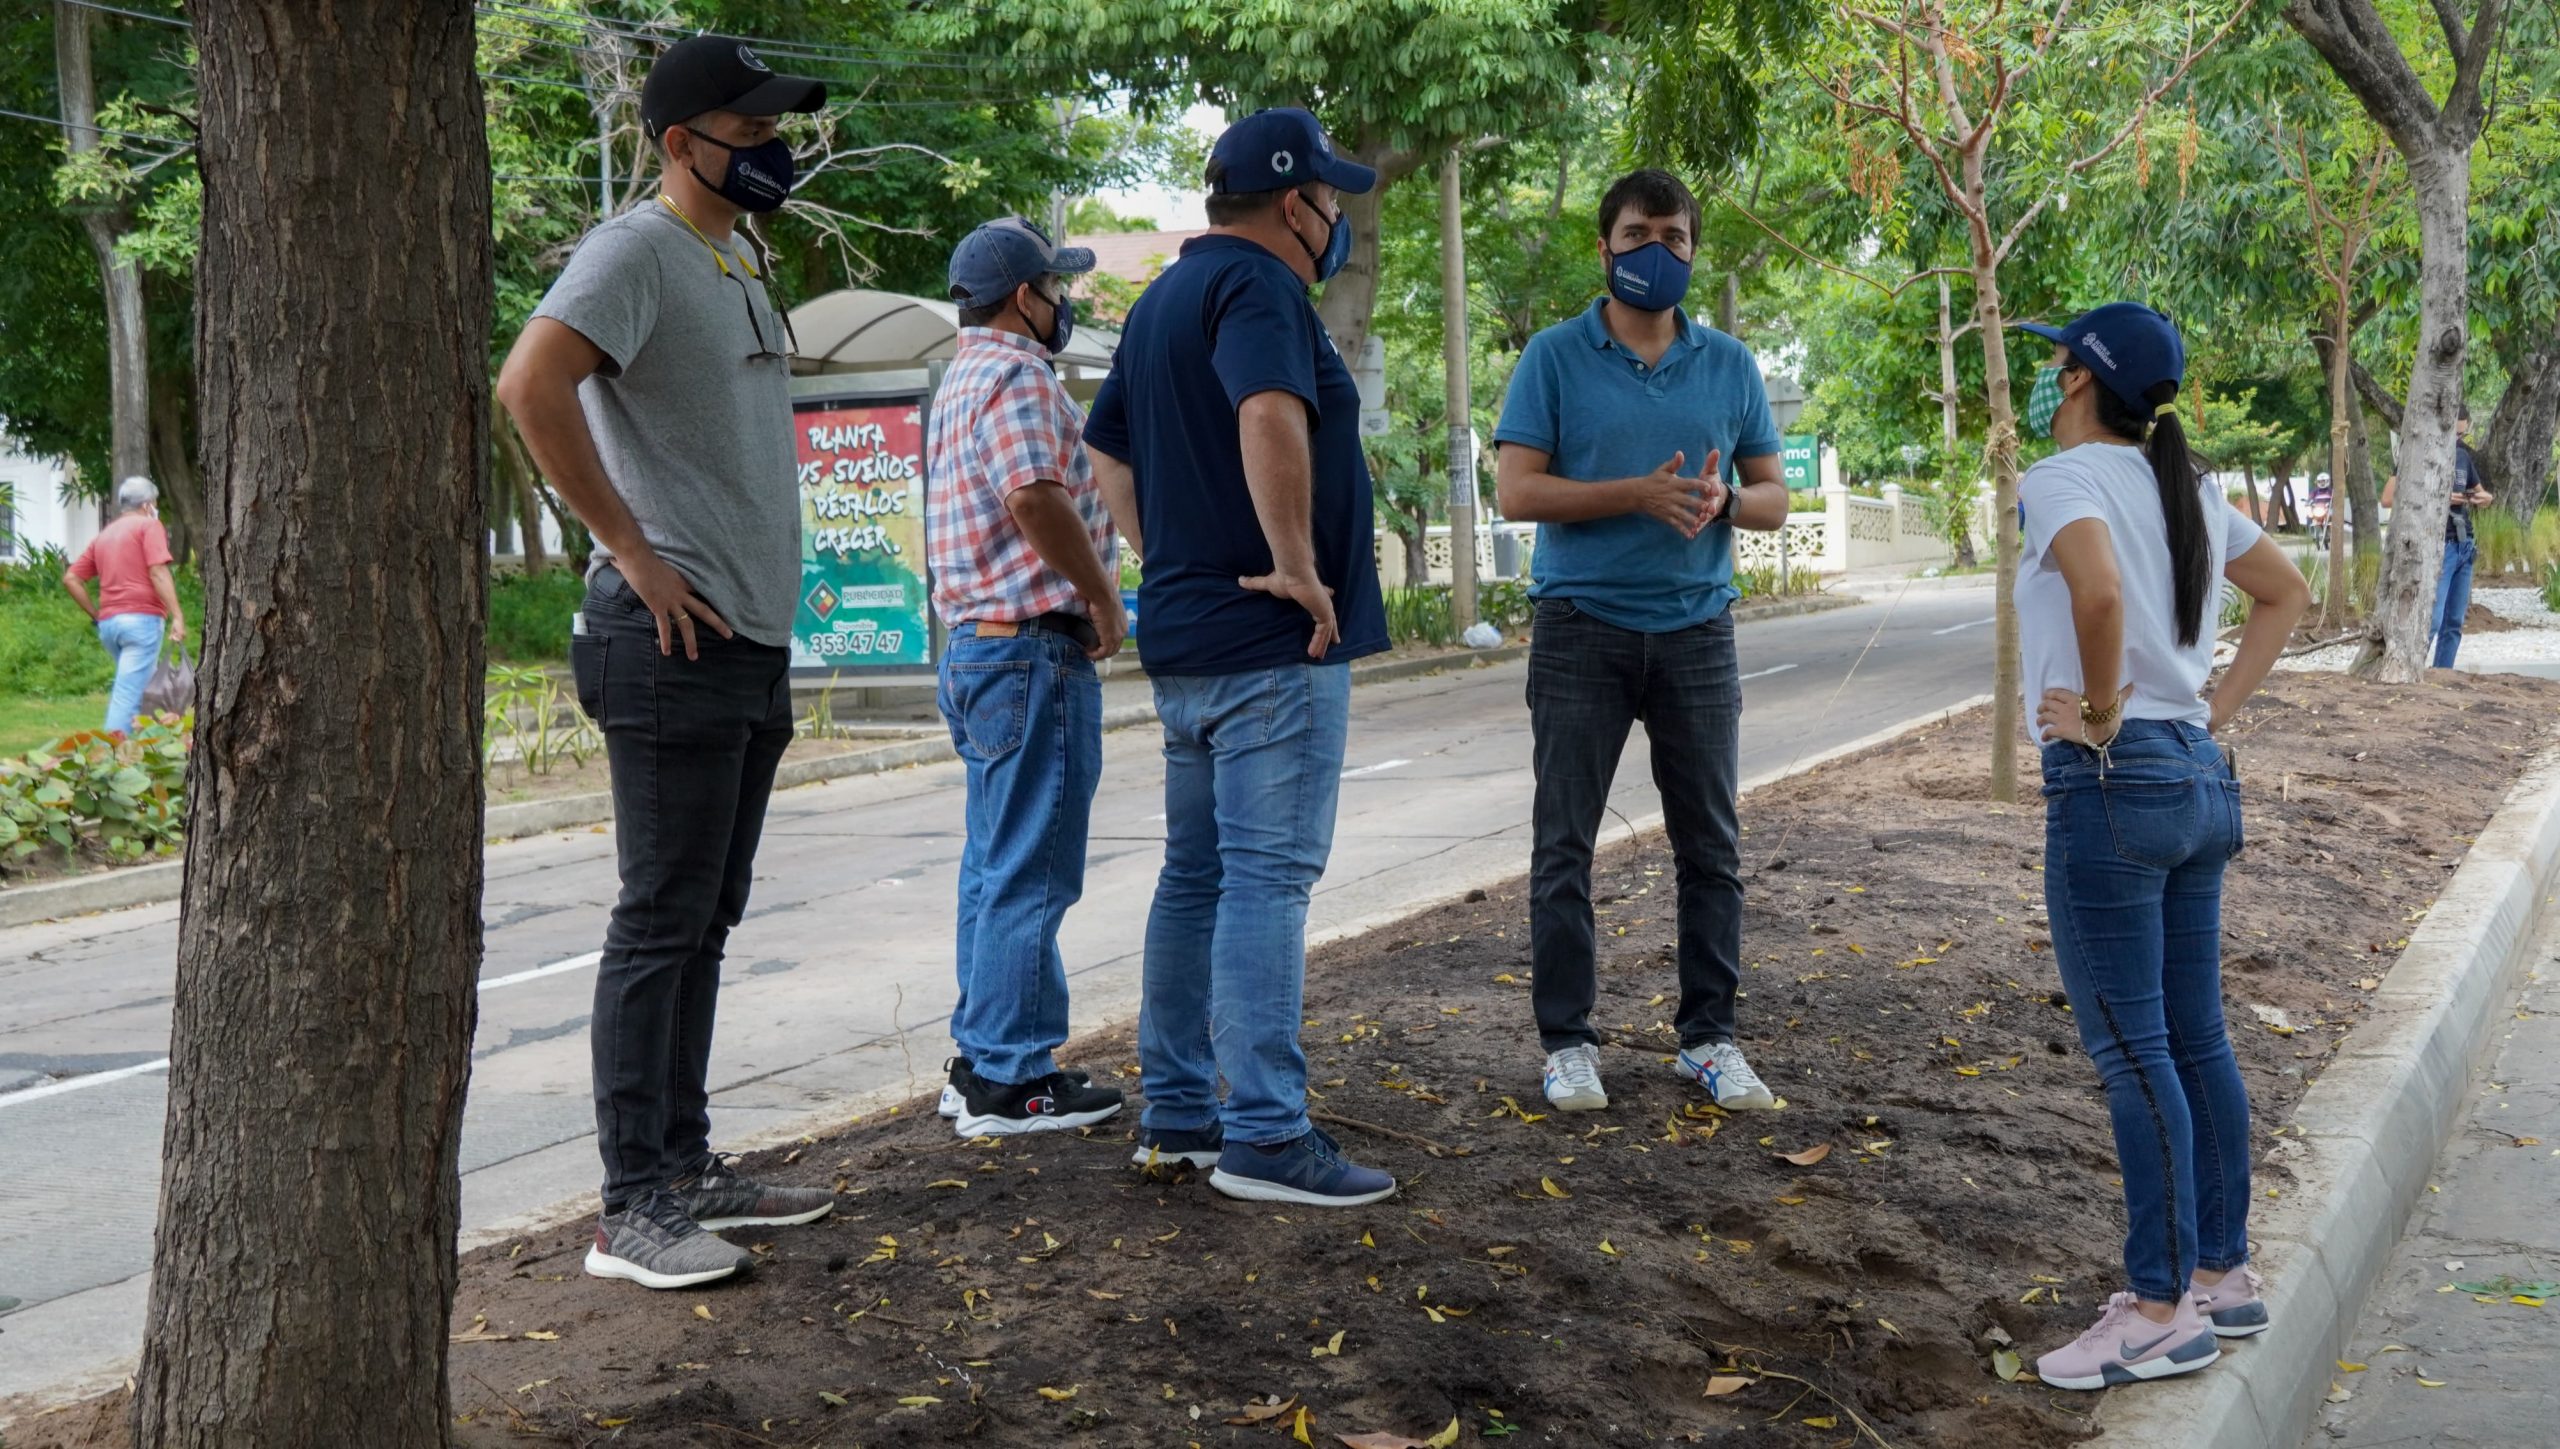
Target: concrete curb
x=145 y=885
x=837 y=1115
x=2362 y=1141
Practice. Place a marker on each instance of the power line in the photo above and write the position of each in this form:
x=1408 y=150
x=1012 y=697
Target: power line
x=101 y=130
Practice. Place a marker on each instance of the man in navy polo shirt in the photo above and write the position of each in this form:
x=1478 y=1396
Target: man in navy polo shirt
x=1637 y=441
x=1226 y=441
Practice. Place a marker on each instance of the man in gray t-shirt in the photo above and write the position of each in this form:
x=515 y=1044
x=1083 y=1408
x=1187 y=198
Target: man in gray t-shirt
x=653 y=387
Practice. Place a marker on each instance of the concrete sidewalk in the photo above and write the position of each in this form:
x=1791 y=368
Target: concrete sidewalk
x=2487 y=1215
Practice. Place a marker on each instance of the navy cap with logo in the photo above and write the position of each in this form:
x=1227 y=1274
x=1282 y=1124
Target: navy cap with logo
x=1002 y=254
x=1278 y=149
x=2129 y=347
x=720 y=73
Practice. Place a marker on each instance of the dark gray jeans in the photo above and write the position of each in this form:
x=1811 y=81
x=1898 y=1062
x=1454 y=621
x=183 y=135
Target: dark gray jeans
x=1589 y=682
x=693 y=744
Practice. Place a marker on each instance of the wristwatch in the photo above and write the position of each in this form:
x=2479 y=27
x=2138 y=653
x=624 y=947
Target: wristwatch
x=1725 y=514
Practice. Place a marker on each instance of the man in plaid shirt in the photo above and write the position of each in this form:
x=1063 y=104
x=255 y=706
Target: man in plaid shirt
x=1025 y=576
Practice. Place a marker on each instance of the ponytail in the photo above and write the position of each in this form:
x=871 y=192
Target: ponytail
x=2173 y=467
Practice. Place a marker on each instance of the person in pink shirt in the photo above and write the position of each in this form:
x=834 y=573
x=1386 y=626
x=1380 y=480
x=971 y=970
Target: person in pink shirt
x=137 y=604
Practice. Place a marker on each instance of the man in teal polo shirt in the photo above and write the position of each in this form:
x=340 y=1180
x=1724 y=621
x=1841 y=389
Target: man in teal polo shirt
x=1637 y=440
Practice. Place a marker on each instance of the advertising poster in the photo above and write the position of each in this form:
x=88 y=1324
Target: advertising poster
x=864 y=601
x=1800 y=461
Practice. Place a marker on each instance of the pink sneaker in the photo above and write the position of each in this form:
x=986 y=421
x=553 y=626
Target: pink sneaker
x=2233 y=1304
x=2124 y=1347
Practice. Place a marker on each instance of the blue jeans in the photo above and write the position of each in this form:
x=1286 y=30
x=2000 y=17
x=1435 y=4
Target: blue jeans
x=2135 y=844
x=1252 y=770
x=1026 y=718
x=1589 y=682
x=134 y=640
x=2453 y=599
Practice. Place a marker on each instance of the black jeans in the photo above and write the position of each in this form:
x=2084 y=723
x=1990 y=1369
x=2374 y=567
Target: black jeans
x=1589 y=682
x=693 y=744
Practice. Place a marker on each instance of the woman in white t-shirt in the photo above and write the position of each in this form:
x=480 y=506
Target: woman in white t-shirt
x=2123 y=544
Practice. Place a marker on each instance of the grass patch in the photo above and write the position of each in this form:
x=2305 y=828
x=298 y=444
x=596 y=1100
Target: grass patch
x=30 y=724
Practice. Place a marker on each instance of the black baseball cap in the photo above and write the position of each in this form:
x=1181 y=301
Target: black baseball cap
x=720 y=73
x=1277 y=149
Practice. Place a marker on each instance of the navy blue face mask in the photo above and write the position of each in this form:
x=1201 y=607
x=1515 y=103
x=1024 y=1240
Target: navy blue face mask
x=1649 y=278
x=759 y=178
x=1062 y=321
x=1337 y=243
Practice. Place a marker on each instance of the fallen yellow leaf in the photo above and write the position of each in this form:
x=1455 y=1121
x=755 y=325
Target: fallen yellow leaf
x=2427 y=1383
x=542 y=1335
x=1548 y=1185
x=2004 y=1362
x=1445 y=1438
x=1298 y=1431
x=703 y=1312
x=1791 y=1201
x=1262 y=1412
x=1606 y=1248
x=947 y=1182
x=2345 y=1367
x=1367 y=1241
x=1332 y=1349
x=611 y=1423
x=1822 y=1421
x=1722 y=1384
x=917 y=1401
x=1059 y=1396
x=1809 y=1156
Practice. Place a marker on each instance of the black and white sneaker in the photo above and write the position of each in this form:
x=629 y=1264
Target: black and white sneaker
x=955 y=1091
x=1167 y=1147
x=1054 y=1103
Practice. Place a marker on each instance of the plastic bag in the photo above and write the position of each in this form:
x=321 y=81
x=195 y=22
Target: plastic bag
x=172 y=689
x=1481 y=635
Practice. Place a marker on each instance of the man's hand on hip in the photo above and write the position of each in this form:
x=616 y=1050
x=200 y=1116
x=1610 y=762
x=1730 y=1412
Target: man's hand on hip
x=671 y=599
x=1308 y=594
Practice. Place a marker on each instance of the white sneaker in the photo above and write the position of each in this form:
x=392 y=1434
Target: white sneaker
x=1573 y=1079
x=1718 y=1066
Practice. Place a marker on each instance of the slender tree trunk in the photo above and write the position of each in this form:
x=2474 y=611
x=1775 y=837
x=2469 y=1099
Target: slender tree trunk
x=1950 y=433
x=516 y=465
x=2286 y=506
x=2334 y=610
x=173 y=465
x=2362 y=491
x=2007 y=711
x=128 y=340
x=1729 y=306
x=2397 y=650
x=1453 y=366
x=330 y=936
x=2249 y=476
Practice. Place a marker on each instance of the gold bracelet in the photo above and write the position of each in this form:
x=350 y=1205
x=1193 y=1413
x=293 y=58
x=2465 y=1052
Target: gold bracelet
x=2092 y=718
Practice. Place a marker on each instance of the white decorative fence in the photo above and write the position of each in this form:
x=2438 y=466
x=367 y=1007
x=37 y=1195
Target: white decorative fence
x=1846 y=532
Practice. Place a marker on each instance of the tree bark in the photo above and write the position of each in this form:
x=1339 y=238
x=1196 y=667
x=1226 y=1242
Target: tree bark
x=128 y=341
x=2398 y=650
x=2334 y=610
x=1351 y=296
x=2007 y=710
x=173 y=465
x=330 y=935
x=2249 y=476
x=516 y=466
x=2285 y=506
x=2515 y=453
x=1453 y=367
x=2362 y=492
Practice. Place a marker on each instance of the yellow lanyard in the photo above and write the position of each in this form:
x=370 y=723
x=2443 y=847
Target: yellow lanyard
x=716 y=254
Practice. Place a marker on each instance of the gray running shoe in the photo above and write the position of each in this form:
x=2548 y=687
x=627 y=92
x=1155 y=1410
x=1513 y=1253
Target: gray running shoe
x=716 y=1196
x=653 y=1243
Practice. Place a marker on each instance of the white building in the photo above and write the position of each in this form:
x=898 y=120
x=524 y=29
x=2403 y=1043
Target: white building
x=35 y=514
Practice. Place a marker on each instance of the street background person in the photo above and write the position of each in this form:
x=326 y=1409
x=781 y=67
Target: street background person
x=1227 y=440
x=137 y=604
x=2123 y=542
x=2461 y=550
x=653 y=389
x=1026 y=576
x=1638 y=440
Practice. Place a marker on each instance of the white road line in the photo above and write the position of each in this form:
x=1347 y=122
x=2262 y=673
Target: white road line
x=100 y=1079
x=1952 y=628
x=1374 y=769
x=1765 y=673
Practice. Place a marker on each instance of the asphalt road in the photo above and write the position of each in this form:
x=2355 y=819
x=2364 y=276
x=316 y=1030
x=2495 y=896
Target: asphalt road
x=839 y=979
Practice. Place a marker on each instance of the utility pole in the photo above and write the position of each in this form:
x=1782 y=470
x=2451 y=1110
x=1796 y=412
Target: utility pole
x=1453 y=347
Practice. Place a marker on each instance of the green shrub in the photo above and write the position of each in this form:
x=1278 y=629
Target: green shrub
x=2551 y=588
x=48 y=648
x=524 y=705
x=1769 y=583
x=529 y=615
x=1421 y=614
x=126 y=797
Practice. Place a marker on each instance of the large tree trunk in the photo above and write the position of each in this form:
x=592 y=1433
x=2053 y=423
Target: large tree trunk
x=2515 y=453
x=330 y=938
x=2398 y=649
x=128 y=343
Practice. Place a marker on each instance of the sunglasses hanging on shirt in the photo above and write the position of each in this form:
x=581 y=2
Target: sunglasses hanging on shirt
x=764 y=350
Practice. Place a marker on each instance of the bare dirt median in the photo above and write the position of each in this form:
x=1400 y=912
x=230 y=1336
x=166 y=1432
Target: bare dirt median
x=1553 y=1279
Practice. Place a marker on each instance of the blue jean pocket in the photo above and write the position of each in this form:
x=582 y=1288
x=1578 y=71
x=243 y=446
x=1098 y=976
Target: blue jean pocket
x=993 y=699
x=2153 y=821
